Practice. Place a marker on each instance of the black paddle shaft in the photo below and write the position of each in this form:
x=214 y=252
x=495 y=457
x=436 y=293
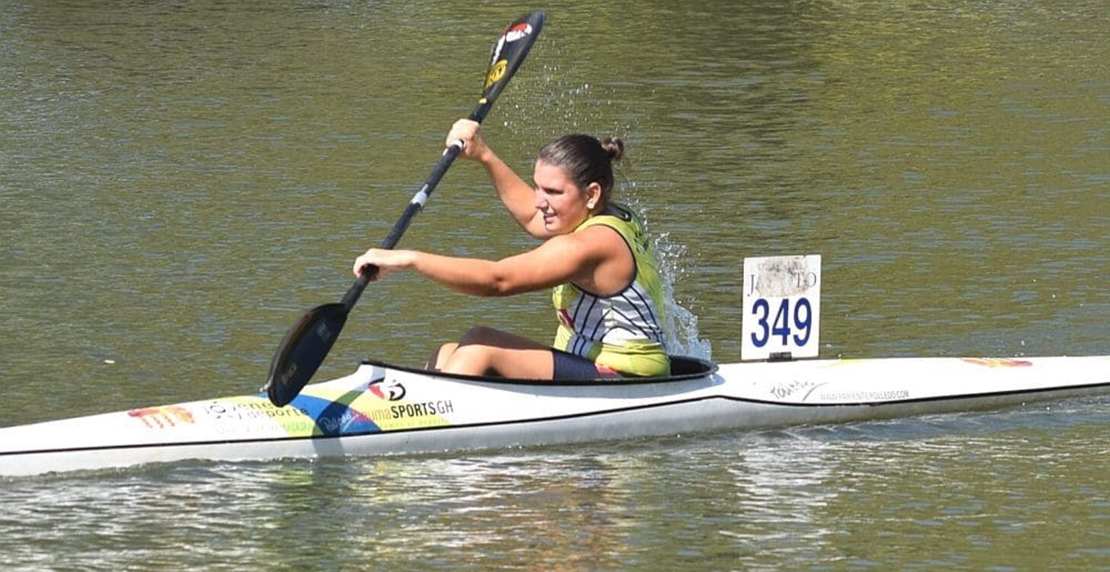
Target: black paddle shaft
x=414 y=207
x=308 y=342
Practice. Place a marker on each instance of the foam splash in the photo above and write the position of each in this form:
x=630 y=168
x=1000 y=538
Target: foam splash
x=681 y=328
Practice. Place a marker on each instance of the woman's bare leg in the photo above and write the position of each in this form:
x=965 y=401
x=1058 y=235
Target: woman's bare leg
x=442 y=354
x=486 y=351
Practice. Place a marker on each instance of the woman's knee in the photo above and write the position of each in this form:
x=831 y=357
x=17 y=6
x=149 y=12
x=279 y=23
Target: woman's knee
x=436 y=361
x=468 y=359
x=480 y=335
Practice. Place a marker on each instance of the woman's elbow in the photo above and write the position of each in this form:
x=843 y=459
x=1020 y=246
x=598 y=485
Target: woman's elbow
x=501 y=288
x=502 y=284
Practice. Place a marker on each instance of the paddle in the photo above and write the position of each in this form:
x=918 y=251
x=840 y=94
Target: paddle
x=307 y=343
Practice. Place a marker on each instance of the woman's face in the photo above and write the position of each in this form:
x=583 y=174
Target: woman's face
x=563 y=204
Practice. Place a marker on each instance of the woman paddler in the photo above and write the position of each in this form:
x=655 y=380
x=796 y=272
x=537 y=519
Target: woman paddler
x=607 y=291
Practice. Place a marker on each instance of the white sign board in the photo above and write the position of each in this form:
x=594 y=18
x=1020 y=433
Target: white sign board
x=782 y=306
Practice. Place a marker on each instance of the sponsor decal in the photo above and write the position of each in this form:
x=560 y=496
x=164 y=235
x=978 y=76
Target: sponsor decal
x=423 y=409
x=381 y=407
x=380 y=415
x=863 y=396
x=253 y=416
x=403 y=411
x=784 y=390
x=410 y=415
x=517 y=32
x=510 y=35
x=391 y=390
x=496 y=72
x=564 y=317
x=349 y=421
x=999 y=362
x=397 y=413
x=288 y=374
x=163 y=417
x=250 y=410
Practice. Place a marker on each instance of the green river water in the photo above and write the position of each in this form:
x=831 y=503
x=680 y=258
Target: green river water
x=179 y=181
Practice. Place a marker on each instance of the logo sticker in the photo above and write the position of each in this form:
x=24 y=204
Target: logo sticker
x=162 y=417
x=517 y=32
x=391 y=390
x=496 y=72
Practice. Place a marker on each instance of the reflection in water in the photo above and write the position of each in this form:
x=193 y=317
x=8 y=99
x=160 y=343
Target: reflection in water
x=1012 y=488
x=780 y=489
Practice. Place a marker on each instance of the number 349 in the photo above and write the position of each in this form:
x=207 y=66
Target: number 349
x=785 y=322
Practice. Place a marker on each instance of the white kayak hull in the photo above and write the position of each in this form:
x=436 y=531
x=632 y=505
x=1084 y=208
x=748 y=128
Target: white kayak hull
x=387 y=410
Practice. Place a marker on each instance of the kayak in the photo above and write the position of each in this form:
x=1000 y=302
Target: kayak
x=383 y=409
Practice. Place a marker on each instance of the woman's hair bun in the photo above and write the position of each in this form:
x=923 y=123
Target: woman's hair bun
x=613 y=147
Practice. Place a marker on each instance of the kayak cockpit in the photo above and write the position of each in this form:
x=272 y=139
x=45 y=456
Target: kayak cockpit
x=682 y=368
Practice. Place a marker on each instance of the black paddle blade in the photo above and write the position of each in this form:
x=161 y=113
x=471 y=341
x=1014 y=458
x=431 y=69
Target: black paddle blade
x=303 y=350
x=505 y=58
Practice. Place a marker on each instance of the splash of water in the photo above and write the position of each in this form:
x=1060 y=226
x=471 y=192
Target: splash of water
x=681 y=326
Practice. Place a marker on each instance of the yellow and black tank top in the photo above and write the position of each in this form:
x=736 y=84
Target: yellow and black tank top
x=623 y=332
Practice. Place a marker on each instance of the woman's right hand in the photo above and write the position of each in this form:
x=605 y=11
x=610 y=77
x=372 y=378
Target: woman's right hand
x=386 y=261
x=466 y=130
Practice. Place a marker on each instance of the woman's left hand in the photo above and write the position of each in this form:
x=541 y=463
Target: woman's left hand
x=386 y=261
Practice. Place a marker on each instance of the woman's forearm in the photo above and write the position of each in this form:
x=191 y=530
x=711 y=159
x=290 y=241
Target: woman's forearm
x=472 y=276
x=515 y=194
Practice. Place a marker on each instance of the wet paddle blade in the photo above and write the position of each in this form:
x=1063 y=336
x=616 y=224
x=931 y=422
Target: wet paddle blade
x=507 y=54
x=303 y=350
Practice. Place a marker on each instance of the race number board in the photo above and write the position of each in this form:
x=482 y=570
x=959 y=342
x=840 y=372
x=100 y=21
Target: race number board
x=782 y=303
